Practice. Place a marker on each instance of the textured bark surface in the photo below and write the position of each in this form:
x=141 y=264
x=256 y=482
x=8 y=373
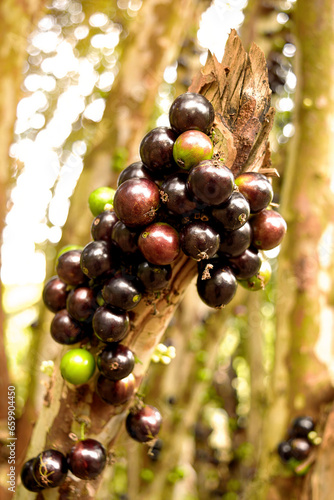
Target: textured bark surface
x=243 y=127
x=302 y=381
x=17 y=20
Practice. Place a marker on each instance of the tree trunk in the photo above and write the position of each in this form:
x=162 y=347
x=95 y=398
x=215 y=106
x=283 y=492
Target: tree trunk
x=17 y=20
x=302 y=381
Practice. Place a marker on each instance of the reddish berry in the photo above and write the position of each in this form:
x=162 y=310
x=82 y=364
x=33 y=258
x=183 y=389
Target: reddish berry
x=136 y=202
x=268 y=228
x=87 y=459
x=143 y=424
x=159 y=243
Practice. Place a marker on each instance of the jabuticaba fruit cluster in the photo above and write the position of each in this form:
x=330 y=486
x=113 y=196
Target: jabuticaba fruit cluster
x=179 y=198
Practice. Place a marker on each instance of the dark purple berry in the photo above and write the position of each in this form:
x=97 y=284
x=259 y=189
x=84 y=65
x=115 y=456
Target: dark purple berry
x=301 y=427
x=257 y=190
x=136 y=202
x=155 y=450
x=191 y=111
x=211 y=182
x=28 y=478
x=122 y=292
x=102 y=226
x=110 y=325
x=199 y=240
x=234 y=213
x=116 y=361
x=234 y=243
x=125 y=238
x=218 y=289
x=87 y=459
x=260 y=280
x=68 y=268
x=191 y=148
x=175 y=196
x=154 y=277
x=156 y=150
x=268 y=228
x=55 y=294
x=115 y=392
x=143 y=424
x=284 y=451
x=159 y=243
x=50 y=469
x=81 y=304
x=246 y=265
x=300 y=448
x=66 y=330
x=95 y=259
x=136 y=170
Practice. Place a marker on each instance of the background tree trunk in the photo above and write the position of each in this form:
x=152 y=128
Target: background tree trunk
x=302 y=380
x=17 y=20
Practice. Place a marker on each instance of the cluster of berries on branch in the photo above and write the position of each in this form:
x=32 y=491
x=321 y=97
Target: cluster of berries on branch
x=299 y=443
x=179 y=198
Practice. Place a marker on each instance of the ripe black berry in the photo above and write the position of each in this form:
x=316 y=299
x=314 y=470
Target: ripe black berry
x=55 y=294
x=211 y=182
x=95 y=259
x=122 y=292
x=257 y=190
x=246 y=265
x=301 y=427
x=284 y=451
x=66 y=330
x=300 y=448
x=136 y=202
x=154 y=277
x=125 y=238
x=159 y=243
x=268 y=229
x=191 y=148
x=68 y=268
x=234 y=243
x=50 y=468
x=110 y=325
x=28 y=478
x=81 y=303
x=199 y=240
x=143 y=424
x=234 y=213
x=156 y=150
x=116 y=361
x=136 y=170
x=87 y=459
x=218 y=289
x=191 y=111
x=102 y=226
x=260 y=280
x=175 y=196
x=115 y=392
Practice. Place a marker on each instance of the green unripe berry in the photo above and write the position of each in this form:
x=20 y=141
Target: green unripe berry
x=192 y=147
x=77 y=366
x=101 y=199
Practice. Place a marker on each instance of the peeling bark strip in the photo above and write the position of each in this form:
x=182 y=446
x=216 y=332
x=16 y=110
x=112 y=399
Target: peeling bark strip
x=239 y=91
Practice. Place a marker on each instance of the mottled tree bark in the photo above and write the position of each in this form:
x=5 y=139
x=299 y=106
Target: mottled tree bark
x=17 y=20
x=302 y=382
